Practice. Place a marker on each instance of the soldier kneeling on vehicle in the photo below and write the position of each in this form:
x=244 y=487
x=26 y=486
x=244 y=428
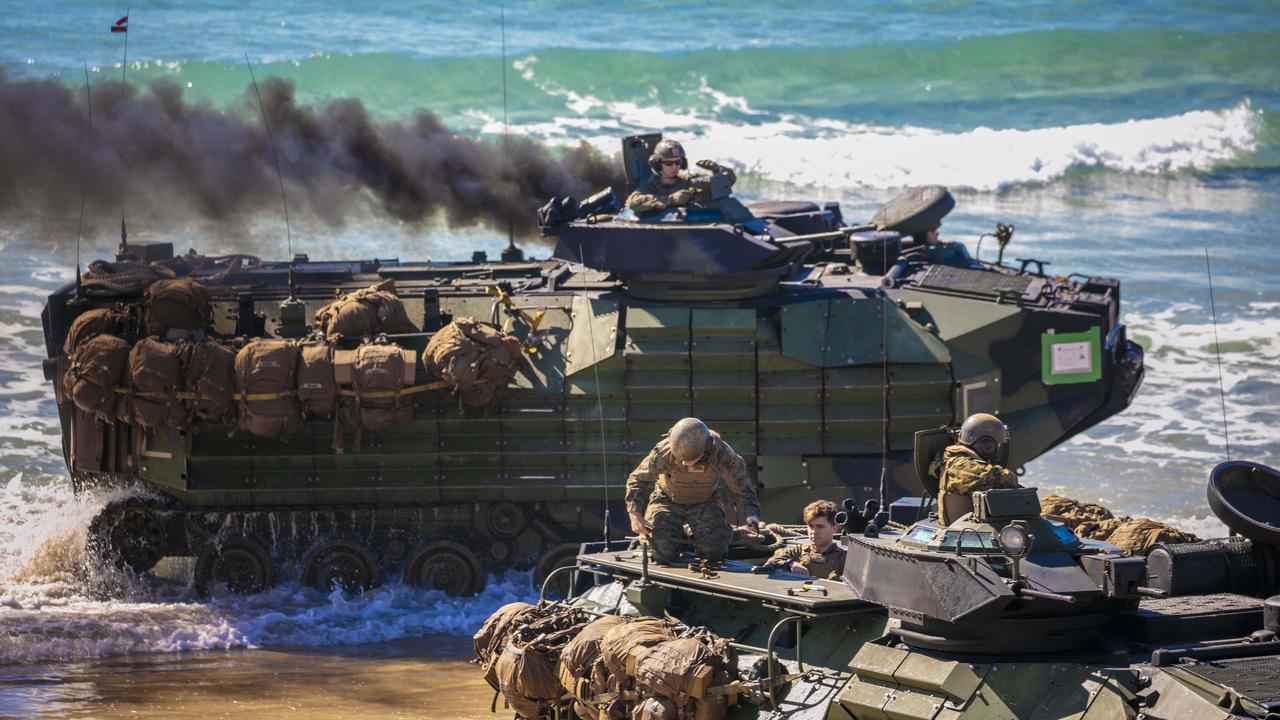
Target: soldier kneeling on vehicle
x=675 y=486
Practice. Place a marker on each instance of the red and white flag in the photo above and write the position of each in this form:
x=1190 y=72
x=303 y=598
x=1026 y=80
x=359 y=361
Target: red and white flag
x=122 y=25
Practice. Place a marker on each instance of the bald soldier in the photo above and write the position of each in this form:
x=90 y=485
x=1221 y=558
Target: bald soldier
x=676 y=486
x=821 y=557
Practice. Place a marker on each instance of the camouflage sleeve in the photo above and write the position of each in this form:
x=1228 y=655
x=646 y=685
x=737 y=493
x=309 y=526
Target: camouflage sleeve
x=641 y=481
x=641 y=202
x=733 y=470
x=785 y=555
x=964 y=475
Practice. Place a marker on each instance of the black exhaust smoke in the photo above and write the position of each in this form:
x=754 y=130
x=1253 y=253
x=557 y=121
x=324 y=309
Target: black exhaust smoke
x=161 y=155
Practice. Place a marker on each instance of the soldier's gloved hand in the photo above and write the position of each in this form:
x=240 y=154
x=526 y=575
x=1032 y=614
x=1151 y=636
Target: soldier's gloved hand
x=681 y=198
x=710 y=166
x=639 y=525
x=753 y=522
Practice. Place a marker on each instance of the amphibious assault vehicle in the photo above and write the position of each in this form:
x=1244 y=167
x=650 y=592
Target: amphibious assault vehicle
x=1001 y=614
x=815 y=347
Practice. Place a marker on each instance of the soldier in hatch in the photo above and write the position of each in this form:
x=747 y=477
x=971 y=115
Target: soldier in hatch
x=975 y=462
x=676 y=486
x=820 y=557
x=672 y=185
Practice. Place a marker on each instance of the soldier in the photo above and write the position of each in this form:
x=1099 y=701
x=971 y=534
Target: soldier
x=820 y=557
x=671 y=185
x=975 y=462
x=676 y=486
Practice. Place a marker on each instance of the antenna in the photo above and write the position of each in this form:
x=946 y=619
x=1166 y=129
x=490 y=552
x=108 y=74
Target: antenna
x=884 y=391
x=279 y=175
x=595 y=369
x=512 y=252
x=88 y=158
x=124 y=69
x=1217 y=350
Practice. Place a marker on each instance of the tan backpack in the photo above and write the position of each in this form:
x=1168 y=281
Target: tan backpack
x=96 y=367
x=491 y=636
x=210 y=372
x=155 y=379
x=578 y=659
x=266 y=374
x=317 y=384
x=379 y=371
x=619 y=646
x=362 y=313
x=180 y=304
x=655 y=708
x=97 y=321
x=475 y=359
x=527 y=678
x=685 y=671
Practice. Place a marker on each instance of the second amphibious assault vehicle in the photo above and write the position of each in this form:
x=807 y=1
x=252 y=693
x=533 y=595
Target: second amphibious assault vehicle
x=1002 y=614
x=816 y=348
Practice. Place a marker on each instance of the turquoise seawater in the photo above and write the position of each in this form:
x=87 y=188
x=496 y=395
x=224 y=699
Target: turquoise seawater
x=1121 y=139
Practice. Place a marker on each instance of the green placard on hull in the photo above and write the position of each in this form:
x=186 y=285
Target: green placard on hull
x=1067 y=358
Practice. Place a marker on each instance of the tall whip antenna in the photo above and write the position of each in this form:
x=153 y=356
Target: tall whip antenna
x=1217 y=350
x=511 y=251
x=884 y=390
x=595 y=369
x=122 y=26
x=88 y=158
x=279 y=175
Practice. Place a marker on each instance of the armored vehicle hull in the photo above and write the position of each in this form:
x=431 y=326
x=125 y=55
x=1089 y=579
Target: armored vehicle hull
x=817 y=350
x=1059 y=628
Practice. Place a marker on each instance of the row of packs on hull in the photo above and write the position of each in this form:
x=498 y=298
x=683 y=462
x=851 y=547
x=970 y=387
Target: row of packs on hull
x=270 y=387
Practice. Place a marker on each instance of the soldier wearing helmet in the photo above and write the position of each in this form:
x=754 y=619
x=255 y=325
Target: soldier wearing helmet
x=975 y=462
x=676 y=486
x=672 y=185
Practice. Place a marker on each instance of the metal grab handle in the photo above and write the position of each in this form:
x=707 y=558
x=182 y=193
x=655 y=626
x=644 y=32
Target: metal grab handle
x=542 y=594
x=770 y=654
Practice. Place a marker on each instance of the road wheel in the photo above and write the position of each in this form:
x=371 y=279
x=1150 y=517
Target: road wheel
x=340 y=563
x=447 y=566
x=241 y=564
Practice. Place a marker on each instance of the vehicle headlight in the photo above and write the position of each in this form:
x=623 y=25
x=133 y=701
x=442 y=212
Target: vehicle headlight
x=1015 y=541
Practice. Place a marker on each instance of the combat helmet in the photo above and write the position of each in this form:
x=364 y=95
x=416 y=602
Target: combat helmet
x=689 y=439
x=984 y=426
x=667 y=150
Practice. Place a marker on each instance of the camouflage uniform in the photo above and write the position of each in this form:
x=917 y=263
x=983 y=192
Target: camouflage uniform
x=676 y=496
x=963 y=472
x=828 y=565
x=653 y=195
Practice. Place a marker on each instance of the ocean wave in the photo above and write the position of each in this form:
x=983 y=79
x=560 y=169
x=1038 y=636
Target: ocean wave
x=810 y=151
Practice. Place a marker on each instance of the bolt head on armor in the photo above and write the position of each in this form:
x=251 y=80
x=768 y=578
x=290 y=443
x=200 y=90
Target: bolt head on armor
x=987 y=436
x=689 y=439
x=667 y=150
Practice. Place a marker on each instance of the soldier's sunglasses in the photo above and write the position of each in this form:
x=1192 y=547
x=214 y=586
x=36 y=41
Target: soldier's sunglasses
x=670 y=162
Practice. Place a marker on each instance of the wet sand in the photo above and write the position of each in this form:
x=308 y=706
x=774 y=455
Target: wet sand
x=415 y=678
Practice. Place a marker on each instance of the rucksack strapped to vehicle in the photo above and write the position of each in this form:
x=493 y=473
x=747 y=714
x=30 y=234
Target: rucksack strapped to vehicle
x=177 y=308
x=475 y=359
x=266 y=373
x=154 y=381
x=95 y=369
x=317 y=380
x=209 y=369
x=364 y=313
